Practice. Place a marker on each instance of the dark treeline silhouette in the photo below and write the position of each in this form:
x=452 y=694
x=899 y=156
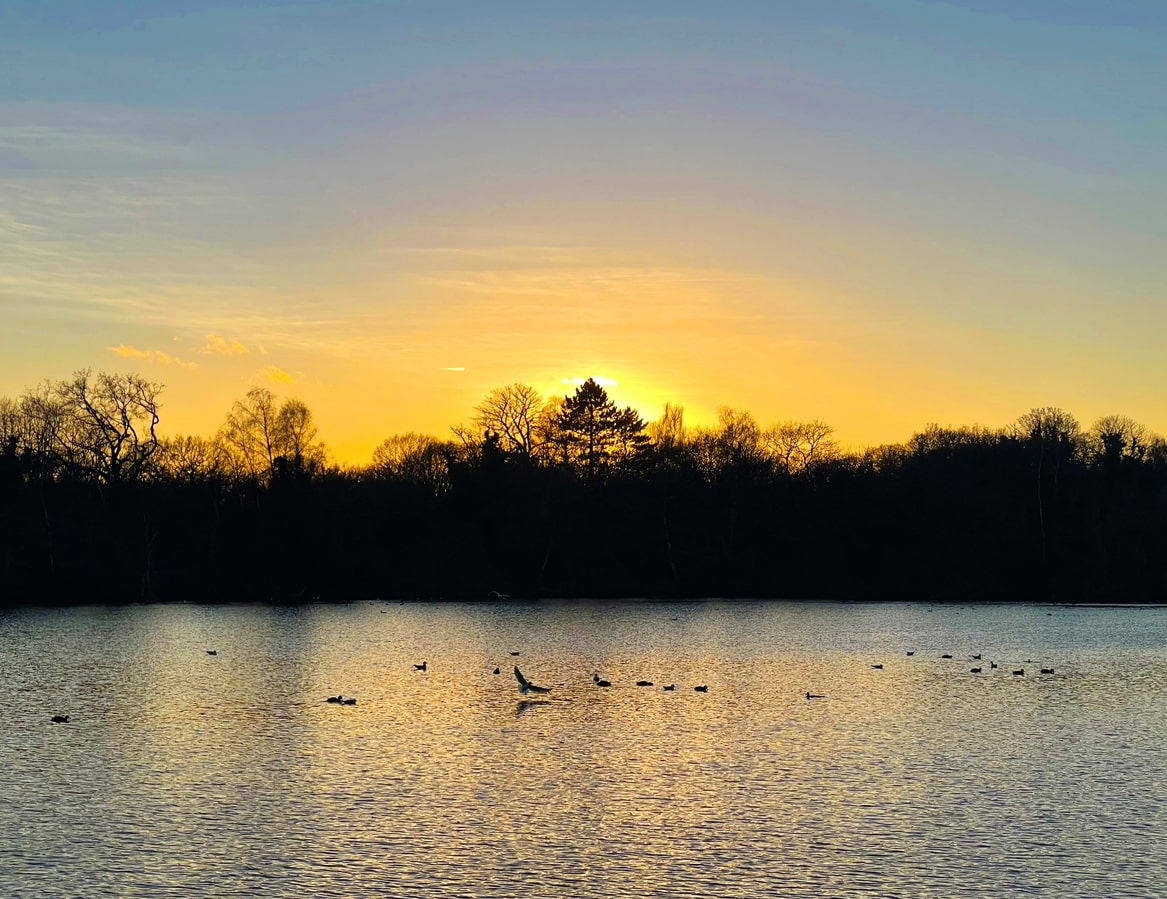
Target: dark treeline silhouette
x=570 y=496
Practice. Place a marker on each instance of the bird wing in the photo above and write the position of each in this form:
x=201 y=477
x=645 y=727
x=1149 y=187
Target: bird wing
x=519 y=677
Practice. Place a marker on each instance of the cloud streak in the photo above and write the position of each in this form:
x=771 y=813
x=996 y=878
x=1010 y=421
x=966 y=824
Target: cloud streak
x=220 y=346
x=129 y=352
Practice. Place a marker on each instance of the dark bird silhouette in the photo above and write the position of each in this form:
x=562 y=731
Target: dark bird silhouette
x=669 y=687
x=992 y=665
x=348 y=702
x=877 y=667
x=421 y=667
x=1020 y=672
x=497 y=671
x=946 y=656
x=704 y=688
x=810 y=695
x=976 y=658
x=525 y=686
x=515 y=652
x=975 y=670
x=1047 y=671
x=60 y=719
x=212 y=652
x=644 y=683
x=599 y=682
x=337 y=698
x=911 y=652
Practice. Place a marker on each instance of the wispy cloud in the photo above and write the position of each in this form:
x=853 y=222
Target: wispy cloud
x=454 y=368
x=129 y=352
x=220 y=346
x=275 y=375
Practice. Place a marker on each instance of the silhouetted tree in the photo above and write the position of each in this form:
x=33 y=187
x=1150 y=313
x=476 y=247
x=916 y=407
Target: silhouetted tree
x=596 y=434
x=107 y=424
x=513 y=413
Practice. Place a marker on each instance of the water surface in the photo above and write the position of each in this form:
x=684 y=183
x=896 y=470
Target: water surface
x=182 y=774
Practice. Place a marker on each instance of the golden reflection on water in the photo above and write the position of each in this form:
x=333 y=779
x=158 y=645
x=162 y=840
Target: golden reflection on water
x=199 y=768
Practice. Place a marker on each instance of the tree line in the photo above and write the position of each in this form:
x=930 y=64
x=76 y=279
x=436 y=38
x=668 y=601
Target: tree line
x=566 y=496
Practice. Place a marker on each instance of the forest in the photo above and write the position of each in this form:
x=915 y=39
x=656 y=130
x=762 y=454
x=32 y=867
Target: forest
x=566 y=497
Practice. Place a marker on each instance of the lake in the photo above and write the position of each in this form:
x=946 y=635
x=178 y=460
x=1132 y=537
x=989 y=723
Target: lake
x=182 y=774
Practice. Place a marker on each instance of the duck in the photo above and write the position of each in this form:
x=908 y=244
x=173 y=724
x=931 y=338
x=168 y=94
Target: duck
x=946 y=655
x=60 y=719
x=975 y=670
x=810 y=695
x=878 y=667
x=1020 y=672
x=669 y=687
x=348 y=702
x=496 y=671
x=212 y=652
x=911 y=652
x=992 y=665
x=1047 y=671
x=337 y=698
x=976 y=658
x=420 y=667
x=644 y=683
x=525 y=686
x=703 y=688
x=600 y=682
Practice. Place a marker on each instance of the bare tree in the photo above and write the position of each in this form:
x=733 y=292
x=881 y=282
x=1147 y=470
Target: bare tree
x=1115 y=437
x=294 y=438
x=191 y=460
x=415 y=458
x=105 y=427
x=249 y=434
x=668 y=431
x=795 y=446
x=513 y=413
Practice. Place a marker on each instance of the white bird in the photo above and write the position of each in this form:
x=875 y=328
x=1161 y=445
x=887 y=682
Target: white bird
x=525 y=686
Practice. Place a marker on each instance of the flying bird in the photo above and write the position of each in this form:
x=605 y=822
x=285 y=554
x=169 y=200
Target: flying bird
x=525 y=686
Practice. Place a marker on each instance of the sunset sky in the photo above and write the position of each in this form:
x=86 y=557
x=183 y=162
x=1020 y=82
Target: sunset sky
x=880 y=213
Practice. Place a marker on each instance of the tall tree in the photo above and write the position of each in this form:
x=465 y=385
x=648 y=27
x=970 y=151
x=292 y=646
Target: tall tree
x=596 y=434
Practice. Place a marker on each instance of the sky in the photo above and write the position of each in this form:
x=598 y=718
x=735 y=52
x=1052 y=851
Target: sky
x=878 y=213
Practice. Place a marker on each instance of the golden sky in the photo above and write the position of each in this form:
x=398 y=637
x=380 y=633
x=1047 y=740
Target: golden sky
x=880 y=214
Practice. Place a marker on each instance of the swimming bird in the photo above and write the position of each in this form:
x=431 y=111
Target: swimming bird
x=1020 y=671
x=992 y=665
x=212 y=652
x=420 y=667
x=976 y=658
x=497 y=671
x=911 y=652
x=1047 y=671
x=600 y=683
x=704 y=688
x=669 y=687
x=877 y=667
x=975 y=670
x=514 y=652
x=525 y=686
x=348 y=702
x=810 y=695
x=60 y=719
x=337 y=698
x=946 y=656
x=644 y=683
